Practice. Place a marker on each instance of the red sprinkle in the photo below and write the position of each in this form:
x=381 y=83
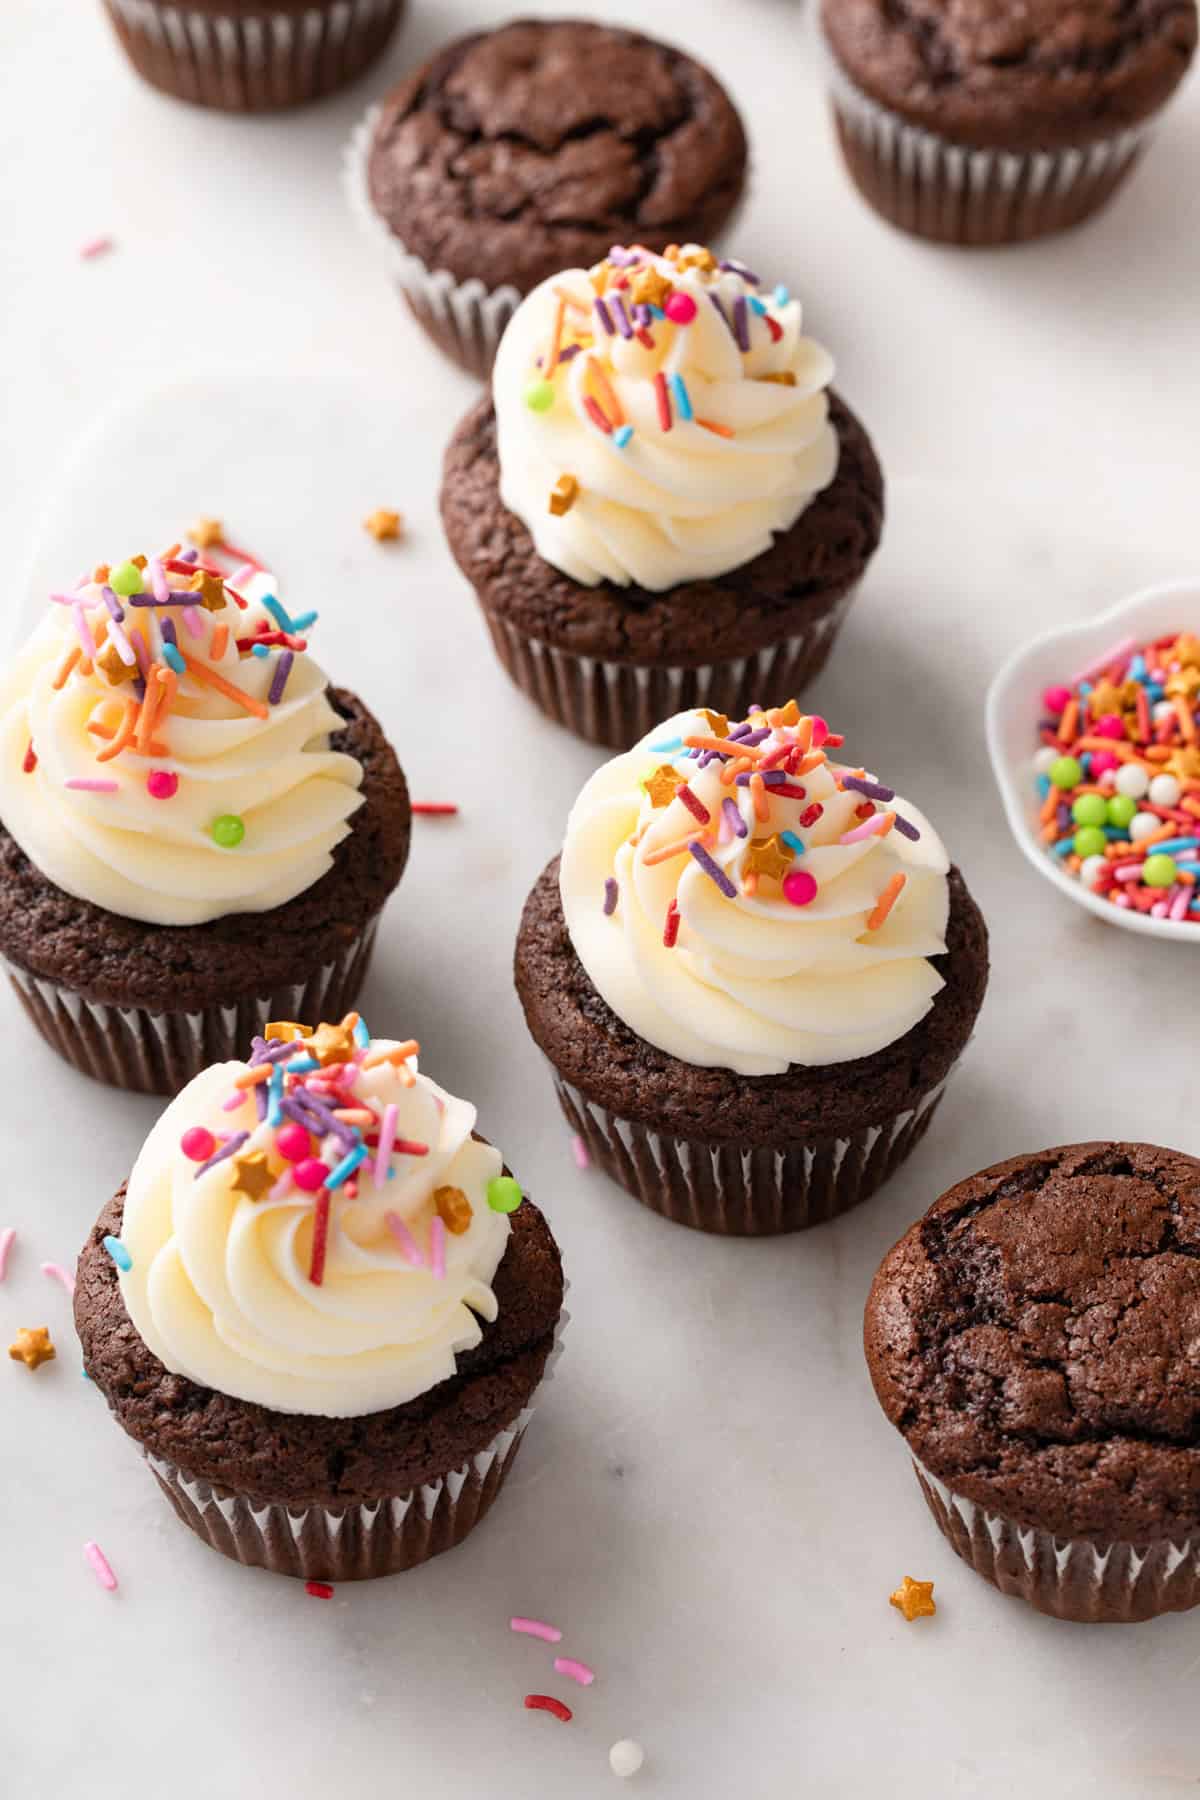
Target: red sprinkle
x=233 y=595
x=775 y=328
x=664 y=401
x=788 y=790
x=320 y=1590
x=810 y=815
x=644 y=338
x=269 y=638
x=547 y=1703
x=30 y=762
x=434 y=808
x=316 y=1269
x=407 y=1147
x=696 y=807
x=597 y=417
x=671 y=928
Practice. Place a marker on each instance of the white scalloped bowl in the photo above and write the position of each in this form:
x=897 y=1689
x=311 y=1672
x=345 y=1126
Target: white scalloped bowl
x=1014 y=708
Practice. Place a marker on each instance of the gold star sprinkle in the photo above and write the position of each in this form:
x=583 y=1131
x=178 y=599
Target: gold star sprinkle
x=252 y=1175
x=332 y=1044
x=1185 y=682
x=454 y=1209
x=914 y=1599
x=695 y=257
x=1105 y=698
x=285 y=1031
x=598 y=275
x=32 y=1347
x=662 y=785
x=384 y=524
x=1185 y=764
x=208 y=589
x=650 y=287
x=785 y=715
x=563 y=495
x=1186 y=649
x=717 y=723
x=112 y=667
x=770 y=857
x=206 y=532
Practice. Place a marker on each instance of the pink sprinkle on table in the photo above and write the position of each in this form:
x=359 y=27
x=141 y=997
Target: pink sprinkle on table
x=100 y=1566
x=56 y=1272
x=579 y=1151
x=7 y=1239
x=578 y=1671
x=549 y=1634
x=97 y=246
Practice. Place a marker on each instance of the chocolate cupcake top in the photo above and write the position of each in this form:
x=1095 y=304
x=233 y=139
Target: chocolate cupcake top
x=164 y=745
x=521 y=151
x=1045 y=75
x=742 y=900
x=660 y=418
x=1036 y=1338
x=315 y=1230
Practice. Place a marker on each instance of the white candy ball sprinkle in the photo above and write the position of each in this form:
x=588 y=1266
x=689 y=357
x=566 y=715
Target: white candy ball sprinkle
x=1163 y=709
x=1164 y=790
x=626 y=1758
x=1133 y=780
x=1090 y=868
x=1045 y=759
x=1144 y=825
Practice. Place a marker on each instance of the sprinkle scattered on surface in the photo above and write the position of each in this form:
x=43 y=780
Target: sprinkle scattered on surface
x=538 y=1628
x=384 y=525
x=8 y=1238
x=626 y=1758
x=56 y=1272
x=914 y=1599
x=547 y=1703
x=32 y=1346
x=97 y=246
x=320 y=1590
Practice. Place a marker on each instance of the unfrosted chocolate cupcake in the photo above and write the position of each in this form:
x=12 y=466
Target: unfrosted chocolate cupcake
x=1034 y=1338
x=752 y=972
x=663 y=504
x=990 y=123
x=322 y=1315
x=196 y=833
x=252 y=55
x=518 y=152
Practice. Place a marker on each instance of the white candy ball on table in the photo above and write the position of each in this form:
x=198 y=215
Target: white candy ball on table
x=626 y=1758
x=1164 y=790
x=1143 y=825
x=1132 y=780
x=1090 y=868
x=1045 y=759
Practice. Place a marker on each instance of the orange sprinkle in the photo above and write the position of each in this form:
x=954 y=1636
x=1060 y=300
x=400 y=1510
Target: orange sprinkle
x=758 y=793
x=699 y=741
x=1160 y=836
x=220 y=639
x=123 y=735
x=1068 y=724
x=1186 y=722
x=608 y=397
x=665 y=852
x=569 y=299
x=1157 y=753
x=812 y=761
x=1123 y=752
x=887 y=900
x=721 y=431
x=251 y=1077
x=750 y=883
x=147 y=715
x=1049 y=806
x=66 y=665
x=889 y=819
x=1190 y=806
x=210 y=678
x=556 y=341
x=399 y=1055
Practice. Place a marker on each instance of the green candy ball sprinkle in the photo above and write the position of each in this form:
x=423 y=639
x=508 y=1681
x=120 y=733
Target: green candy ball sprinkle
x=1090 y=809
x=126 y=579
x=504 y=1194
x=1089 y=841
x=228 y=831
x=1159 y=871
x=1067 y=772
x=539 y=396
x=1121 y=810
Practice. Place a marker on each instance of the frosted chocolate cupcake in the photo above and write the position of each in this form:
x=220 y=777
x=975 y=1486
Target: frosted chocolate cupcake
x=662 y=504
x=320 y=1307
x=197 y=832
x=752 y=970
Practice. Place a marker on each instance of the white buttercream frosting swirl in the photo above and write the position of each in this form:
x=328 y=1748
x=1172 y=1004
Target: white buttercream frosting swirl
x=754 y=981
x=221 y=1288
x=748 y=446
x=154 y=856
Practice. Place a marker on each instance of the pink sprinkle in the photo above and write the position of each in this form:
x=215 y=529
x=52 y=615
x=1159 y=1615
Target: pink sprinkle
x=92 y=787
x=579 y=1151
x=405 y=1239
x=550 y=1634
x=1179 y=905
x=125 y=649
x=97 y=246
x=387 y=1137
x=867 y=829
x=101 y=1566
x=437 y=1246
x=56 y=1272
x=567 y=1665
x=82 y=629
x=193 y=620
x=245 y=573
x=235 y=1099
x=158 y=578
x=1106 y=662
x=7 y=1239
x=142 y=653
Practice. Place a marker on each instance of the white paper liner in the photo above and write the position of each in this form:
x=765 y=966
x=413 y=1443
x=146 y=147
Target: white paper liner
x=938 y=189
x=159 y=1052
x=464 y=317
x=616 y=704
x=256 y=61
x=744 y=1190
x=1069 y=1578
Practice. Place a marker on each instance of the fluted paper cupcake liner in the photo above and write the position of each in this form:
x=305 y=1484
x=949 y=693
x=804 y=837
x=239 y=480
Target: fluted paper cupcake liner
x=253 y=61
x=937 y=189
x=617 y=703
x=1119 y=1583
x=152 y=1052
x=465 y=318
x=739 y=1189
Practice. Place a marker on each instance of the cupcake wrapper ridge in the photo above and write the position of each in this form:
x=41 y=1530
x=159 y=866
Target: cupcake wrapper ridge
x=465 y=318
x=745 y=1190
x=255 y=61
x=937 y=189
x=1069 y=1578
x=615 y=703
x=159 y=1052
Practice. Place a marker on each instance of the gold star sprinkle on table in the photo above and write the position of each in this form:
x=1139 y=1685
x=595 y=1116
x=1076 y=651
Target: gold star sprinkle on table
x=662 y=786
x=769 y=857
x=206 y=532
x=32 y=1347
x=914 y=1599
x=332 y=1044
x=252 y=1175
x=383 y=524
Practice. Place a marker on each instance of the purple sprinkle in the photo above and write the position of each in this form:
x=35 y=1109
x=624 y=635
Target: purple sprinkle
x=643 y=313
x=623 y=325
x=907 y=829
x=751 y=738
x=736 y=822
x=175 y=597
x=604 y=316
x=229 y=1148
x=773 y=777
x=283 y=669
x=570 y=351
x=874 y=790
x=720 y=311
x=712 y=871
x=115 y=609
x=610 y=897
x=741 y=322
x=273 y=1053
x=189 y=556
x=1062 y=815
x=736 y=268
x=260 y=1099
x=624 y=259
x=139 y=688
x=167 y=627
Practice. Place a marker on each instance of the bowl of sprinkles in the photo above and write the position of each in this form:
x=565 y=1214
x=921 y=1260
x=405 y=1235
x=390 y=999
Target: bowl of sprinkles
x=1094 y=734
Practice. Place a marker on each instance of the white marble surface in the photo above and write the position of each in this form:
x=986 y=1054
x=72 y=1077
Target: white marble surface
x=709 y=1501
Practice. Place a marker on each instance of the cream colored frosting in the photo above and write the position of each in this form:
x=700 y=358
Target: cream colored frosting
x=753 y=982
x=670 y=505
x=220 y=1287
x=156 y=859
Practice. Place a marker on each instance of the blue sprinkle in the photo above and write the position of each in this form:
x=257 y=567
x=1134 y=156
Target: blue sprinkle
x=362 y=1036
x=260 y=649
x=1155 y=691
x=119 y=1253
x=758 y=306
x=275 y=1095
x=781 y=295
x=673 y=744
x=302 y=1065
x=682 y=398
x=304 y=621
x=281 y=618
x=622 y=435
x=1043 y=785
x=1064 y=847
x=789 y=837
x=173 y=659
x=85 y=1374
x=1173 y=844
x=1137 y=667
x=658 y=312
x=346 y=1167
